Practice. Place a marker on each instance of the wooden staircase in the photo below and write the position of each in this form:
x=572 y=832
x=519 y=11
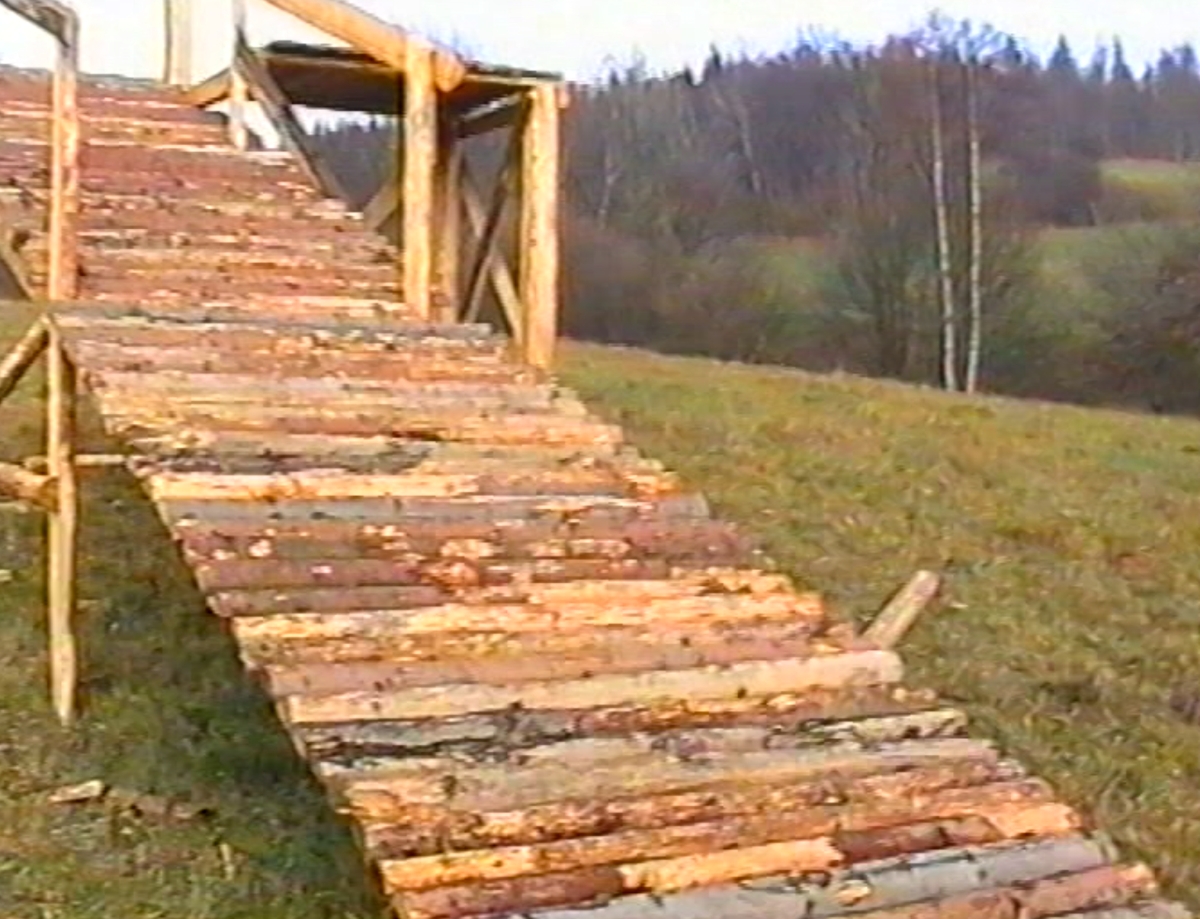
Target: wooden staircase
x=528 y=665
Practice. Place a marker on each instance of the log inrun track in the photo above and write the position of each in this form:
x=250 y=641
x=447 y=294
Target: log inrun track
x=526 y=663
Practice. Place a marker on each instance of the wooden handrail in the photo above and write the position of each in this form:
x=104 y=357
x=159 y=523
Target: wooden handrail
x=387 y=43
x=61 y=22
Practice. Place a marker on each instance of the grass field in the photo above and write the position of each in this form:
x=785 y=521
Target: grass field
x=1068 y=538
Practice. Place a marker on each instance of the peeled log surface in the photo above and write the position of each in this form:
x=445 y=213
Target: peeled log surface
x=976 y=815
x=482 y=511
x=754 y=679
x=1005 y=882
x=513 y=786
x=607 y=657
x=685 y=540
x=686 y=745
x=438 y=831
x=387 y=629
x=819 y=711
x=925 y=874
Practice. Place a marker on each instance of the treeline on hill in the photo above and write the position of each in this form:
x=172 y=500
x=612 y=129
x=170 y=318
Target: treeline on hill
x=940 y=208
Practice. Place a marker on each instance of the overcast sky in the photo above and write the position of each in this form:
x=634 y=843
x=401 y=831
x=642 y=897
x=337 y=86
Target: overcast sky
x=578 y=36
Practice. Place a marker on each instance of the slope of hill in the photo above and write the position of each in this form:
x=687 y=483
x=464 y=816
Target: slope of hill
x=1068 y=538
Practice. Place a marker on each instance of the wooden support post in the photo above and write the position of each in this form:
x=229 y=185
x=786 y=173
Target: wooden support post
x=239 y=91
x=64 y=169
x=61 y=529
x=420 y=153
x=538 y=248
x=23 y=356
x=177 y=57
x=447 y=292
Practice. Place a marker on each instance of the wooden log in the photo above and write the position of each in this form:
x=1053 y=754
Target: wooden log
x=274 y=601
x=383 y=41
x=485 y=512
x=1021 y=883
x=952 y=789
x=448 y=211
x=49 y=15
x=62 y=530
x=239 y=89
x=539 y=231
x=419 y=166
x=65 y=184
x=950 y=868
x=475 y=577
x=751 y=678
x=503 y=283
x=334 y=484
x=527 y=540
x=609 y=657
x=975 y=816
x=386 y=626
x=787 y=714
x=19 y=484
x=685 y=745
x=902 y=611
x=262 y=87
x=513 y=786
x=177 y=58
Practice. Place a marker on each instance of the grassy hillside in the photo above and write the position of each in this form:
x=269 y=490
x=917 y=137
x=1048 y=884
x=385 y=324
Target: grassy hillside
x=1068 y=538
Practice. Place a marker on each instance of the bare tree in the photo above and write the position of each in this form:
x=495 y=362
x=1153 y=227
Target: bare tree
x=975 y=231
x=941 y=209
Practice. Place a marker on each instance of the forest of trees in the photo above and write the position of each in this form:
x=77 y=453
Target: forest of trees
x=885 y=210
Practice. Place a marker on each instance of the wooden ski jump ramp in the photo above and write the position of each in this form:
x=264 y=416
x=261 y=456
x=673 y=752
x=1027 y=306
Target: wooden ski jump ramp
x=532 y=670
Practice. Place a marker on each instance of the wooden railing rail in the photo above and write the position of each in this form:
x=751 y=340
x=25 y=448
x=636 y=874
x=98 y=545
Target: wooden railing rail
x=62 y=23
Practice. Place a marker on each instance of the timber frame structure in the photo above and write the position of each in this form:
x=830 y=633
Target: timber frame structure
x=448 y=226
x=525 y=662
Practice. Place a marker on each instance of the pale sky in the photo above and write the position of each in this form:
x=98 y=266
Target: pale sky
x=577 y=37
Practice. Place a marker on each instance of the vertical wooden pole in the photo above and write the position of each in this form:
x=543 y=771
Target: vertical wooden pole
x=538 y=250
x=61 y=529
x=449 y=212
x=64 y=172
x=420 y=156
x=177 y=63
x=239 y=90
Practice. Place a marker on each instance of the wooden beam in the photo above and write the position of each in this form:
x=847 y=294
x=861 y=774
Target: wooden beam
x=16 y=277
x=448 y=227
x=420 y=156
x=493 y=118
x=83 y=461
x=49 y=15
x=62 y=528
x=211 y=91
x=262 y=87
x=538 y=248
x=503 y=283
x=19 y=484
x=177 y=57
x=239 y=90
x=22 y=357
x=386 y=201
x=489 y=249
x=387 y=43
x=63 y=278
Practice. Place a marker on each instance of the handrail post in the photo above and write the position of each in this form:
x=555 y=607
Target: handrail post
x=64 y=168
x=62 y=528
x=239 y=90
x=177 y=51
x=420 y=138
x=538 y=252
